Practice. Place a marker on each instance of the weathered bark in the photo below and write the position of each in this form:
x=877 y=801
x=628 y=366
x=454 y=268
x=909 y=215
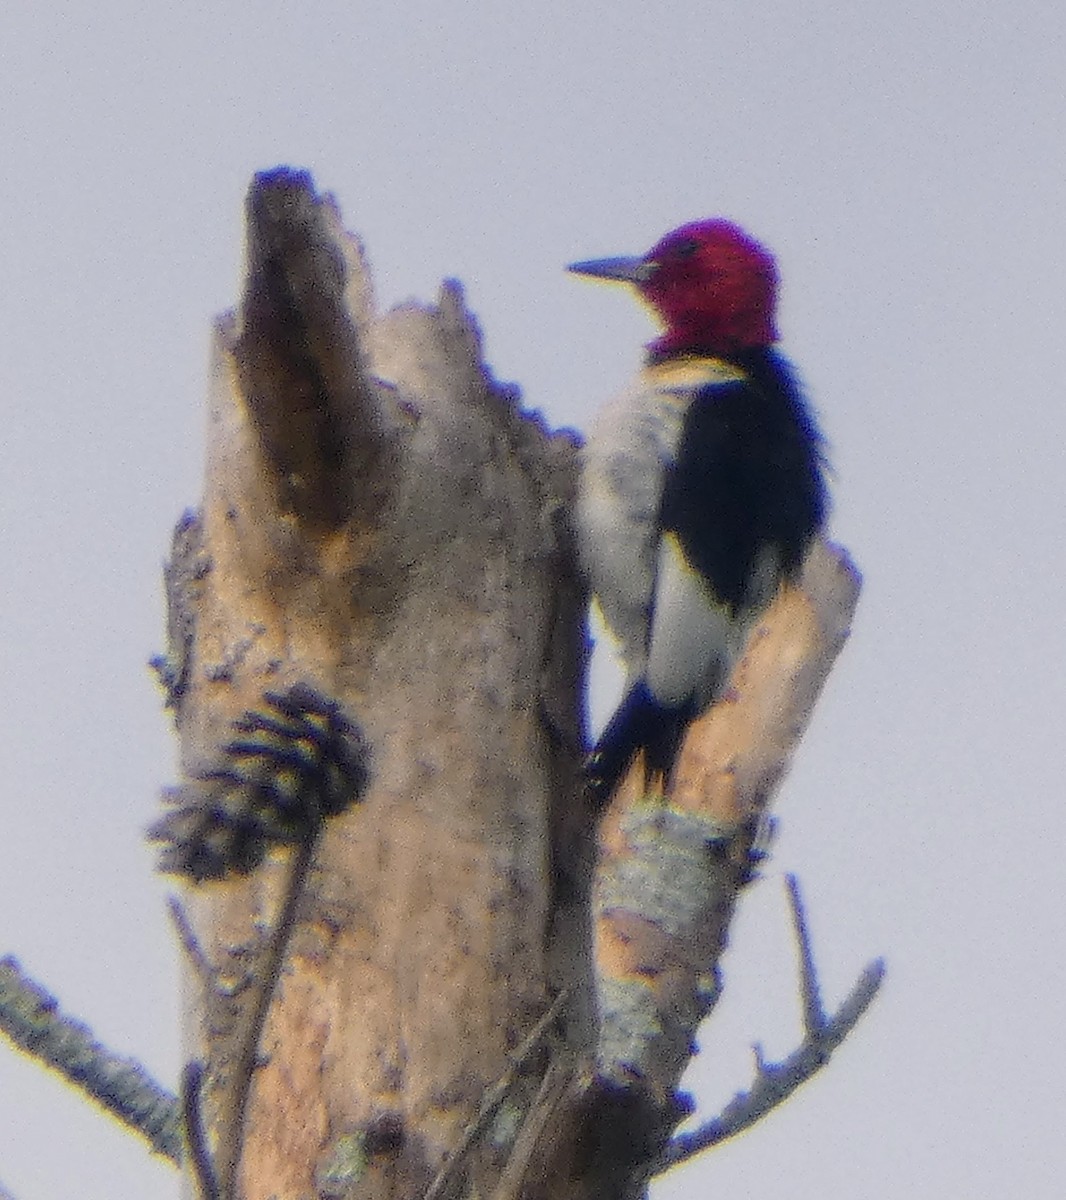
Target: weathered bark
x=381 y=522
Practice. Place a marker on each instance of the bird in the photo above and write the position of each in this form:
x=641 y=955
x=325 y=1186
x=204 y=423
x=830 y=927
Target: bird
x=700 y=488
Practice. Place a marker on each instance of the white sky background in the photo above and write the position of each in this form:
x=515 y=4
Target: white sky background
x=906 y=163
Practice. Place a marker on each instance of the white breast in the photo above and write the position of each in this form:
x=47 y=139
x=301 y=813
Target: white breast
x=629 y=445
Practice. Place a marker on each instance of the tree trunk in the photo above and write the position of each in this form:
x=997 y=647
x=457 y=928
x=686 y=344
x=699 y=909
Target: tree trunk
x=383 y=524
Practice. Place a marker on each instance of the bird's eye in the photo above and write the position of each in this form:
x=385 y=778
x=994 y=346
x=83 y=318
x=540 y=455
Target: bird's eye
x=686 y=249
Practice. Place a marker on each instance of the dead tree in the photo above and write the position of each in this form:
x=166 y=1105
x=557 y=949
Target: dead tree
x=417 y=964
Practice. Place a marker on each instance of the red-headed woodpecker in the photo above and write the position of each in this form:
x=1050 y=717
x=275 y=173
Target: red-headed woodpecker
x=701 y=487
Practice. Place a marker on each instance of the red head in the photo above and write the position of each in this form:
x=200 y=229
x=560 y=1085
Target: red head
x=713 y=286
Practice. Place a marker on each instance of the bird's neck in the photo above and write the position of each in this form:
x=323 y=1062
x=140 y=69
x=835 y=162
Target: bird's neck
x=717 y=334
x=685 y=371
x=700 y=339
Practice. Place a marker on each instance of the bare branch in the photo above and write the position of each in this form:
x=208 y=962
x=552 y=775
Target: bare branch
x=775 y=1082
x=671 y=867
x=30 y=1017
x=814 y=1016
x=231 y=1110
x=190 y=943
x=203 y=1168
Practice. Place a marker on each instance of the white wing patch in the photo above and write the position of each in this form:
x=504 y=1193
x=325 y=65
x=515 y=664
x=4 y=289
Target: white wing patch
x=692 y=642
x=695 y=641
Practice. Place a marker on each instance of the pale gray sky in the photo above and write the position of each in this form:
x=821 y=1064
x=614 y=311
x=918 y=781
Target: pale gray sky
x=905 y=162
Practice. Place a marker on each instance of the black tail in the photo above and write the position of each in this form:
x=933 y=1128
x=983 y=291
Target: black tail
x=640 y=723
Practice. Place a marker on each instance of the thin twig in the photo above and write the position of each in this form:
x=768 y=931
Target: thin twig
x=494 y=1097
x=192 y=1079
x=556 y=1087
x=230 y=1121
x=190 y=943
x=775 y=1082
x=814 y=1015
x=31 y=1018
